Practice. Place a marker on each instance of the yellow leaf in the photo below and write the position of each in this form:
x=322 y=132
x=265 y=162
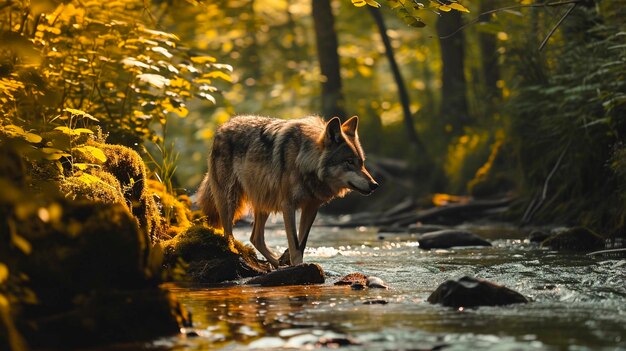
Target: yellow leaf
x=458 y=7
x=445 y=8
x=94 y=151
x=21 y=243
x=372 y=3
x=219 y=74
x=203 y=59
x=359 y=3
x=4 y=273
x=32 y=138
x=79 y=131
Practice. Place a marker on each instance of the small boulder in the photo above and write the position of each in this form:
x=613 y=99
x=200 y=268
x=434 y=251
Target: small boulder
x=537 y=236
x=444 y=239
x=473 y=292
x=575 y=239
x=302 y=274
x=353 y=278
x=376 y=283
x=210 y=257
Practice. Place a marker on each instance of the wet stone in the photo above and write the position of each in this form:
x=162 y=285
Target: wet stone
x=575 y=239
x=473 y=292
x=537 y=236
x=376 y=283
x=444 y=239
x=353 y=278
x=302 y=274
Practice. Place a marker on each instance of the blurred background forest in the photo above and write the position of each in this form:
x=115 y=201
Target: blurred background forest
x=482 y=97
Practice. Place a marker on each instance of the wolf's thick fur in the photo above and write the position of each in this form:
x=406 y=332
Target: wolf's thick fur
x=279 y=165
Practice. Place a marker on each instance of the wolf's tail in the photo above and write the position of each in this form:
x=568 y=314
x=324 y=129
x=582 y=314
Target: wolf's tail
x=206 y=202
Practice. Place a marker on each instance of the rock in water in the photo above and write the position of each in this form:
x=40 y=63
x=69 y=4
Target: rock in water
x=473 y=292
x=353 y=278
x=537 y=236
x=302 y=274
x=575 y=239
x=376 y=283
x=444 y=239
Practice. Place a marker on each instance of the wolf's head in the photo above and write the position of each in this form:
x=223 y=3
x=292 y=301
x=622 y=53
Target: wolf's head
x=342 y=165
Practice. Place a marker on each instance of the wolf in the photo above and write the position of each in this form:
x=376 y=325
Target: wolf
x=275 y=165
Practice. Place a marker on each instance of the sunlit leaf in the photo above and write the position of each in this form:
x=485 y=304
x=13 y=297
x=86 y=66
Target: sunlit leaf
x=203 y=59
x=155 y=80
x=32 y=138
x=97 y=153
x=458 y=7
x=21 y=243
x=220 y=75
x=80 y=113
x=372 y=3
x=359 y=3
x=4 y=272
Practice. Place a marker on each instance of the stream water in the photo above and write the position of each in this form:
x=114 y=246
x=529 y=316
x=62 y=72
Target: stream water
x=578 y=302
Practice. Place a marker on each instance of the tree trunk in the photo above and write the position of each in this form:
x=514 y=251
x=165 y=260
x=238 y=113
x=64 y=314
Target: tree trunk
x=489 y=55
x=397 y=76
x=326 y=38
x=453 y=90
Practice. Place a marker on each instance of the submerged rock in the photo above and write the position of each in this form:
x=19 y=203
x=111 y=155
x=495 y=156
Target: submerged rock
x=574 y=239
x=302 y=274
x=444 y=239
x=473 y=292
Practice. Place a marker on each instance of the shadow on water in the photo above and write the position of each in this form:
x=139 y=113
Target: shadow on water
x=578 y=302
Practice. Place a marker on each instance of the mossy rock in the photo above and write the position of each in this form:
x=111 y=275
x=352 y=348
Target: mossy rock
x=210 y=257
x=95 y=186
x=93 y=246
x=578 y=239
x=128 y=168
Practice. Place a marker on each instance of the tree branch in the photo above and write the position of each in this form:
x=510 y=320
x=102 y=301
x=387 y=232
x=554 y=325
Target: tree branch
x=547 y=4
x=543 y=43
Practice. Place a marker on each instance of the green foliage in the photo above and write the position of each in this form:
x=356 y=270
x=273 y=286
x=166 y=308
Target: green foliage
x=568 y=117
x=100 y=57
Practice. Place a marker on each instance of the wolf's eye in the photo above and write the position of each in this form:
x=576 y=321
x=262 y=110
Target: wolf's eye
x=349 y=162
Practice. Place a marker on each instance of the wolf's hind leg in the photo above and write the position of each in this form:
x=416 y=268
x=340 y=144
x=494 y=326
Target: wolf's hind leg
x=258 y=238
x=227 y=204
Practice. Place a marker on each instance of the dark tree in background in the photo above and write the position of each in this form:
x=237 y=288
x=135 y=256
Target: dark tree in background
x=397 y=76
x=489 y=54
x=326 y=38
x=453 y=90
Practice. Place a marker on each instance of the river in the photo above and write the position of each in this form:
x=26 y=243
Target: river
x=578 y=302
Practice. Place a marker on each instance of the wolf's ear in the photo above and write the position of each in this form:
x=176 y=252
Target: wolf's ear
x=333 y=131
x=349 y=127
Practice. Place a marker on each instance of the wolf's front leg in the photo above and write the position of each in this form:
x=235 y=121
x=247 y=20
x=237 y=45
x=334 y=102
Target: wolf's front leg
x=289 y=216
x=309 y=211
x=258 y=238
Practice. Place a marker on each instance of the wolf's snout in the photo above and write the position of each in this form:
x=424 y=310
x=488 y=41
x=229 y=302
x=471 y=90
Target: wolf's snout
x=373 y=186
